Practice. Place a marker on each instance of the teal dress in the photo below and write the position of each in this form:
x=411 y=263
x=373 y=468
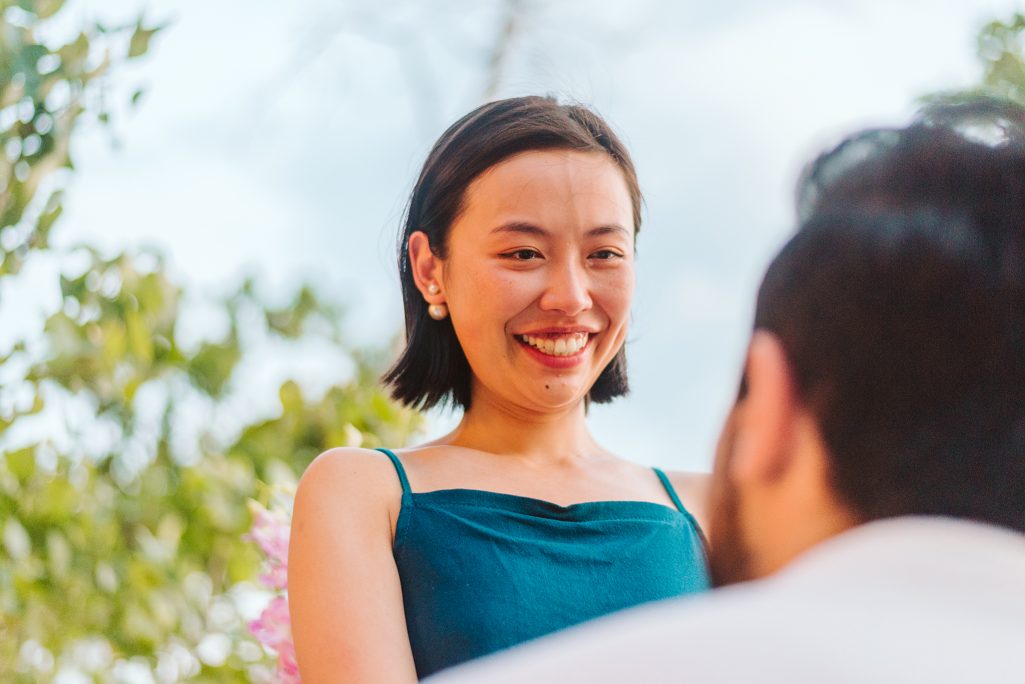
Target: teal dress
x=483 y=571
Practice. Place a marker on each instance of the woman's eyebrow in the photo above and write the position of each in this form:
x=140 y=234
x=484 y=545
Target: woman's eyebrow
x=607 y=230
x=524 y=228
x=521 y=227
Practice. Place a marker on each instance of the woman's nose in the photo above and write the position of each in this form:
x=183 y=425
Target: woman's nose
x=567 y=291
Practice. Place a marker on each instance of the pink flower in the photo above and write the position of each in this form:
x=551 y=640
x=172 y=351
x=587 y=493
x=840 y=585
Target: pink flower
x=273 y=628
x=270 y=532
x=288 y=669
x=276 y=576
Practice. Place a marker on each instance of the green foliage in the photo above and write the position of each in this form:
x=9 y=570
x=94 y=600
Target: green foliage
x=101 y=545
x=45 y=90
x=1001 y=51
x=121 y=538
x=1000 y=48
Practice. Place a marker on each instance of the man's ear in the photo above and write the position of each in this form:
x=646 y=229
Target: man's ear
x=765 y=418
x=426 y=268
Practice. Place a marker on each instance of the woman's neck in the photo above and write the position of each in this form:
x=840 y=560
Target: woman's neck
x=549 y=436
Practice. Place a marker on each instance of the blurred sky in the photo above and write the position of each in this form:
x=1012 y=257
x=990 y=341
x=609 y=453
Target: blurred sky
x=280 y=139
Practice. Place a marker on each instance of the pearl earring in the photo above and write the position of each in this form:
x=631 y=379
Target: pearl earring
x=433 y=289
x=437 y=311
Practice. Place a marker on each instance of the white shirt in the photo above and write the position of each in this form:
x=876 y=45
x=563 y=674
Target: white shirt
x=931 y=600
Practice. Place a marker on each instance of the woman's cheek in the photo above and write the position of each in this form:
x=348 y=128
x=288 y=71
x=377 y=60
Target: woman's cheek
x=617 y=296
x=482 y=302
x=509 y=292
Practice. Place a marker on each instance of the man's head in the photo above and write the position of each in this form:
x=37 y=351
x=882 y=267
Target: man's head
x=886 y=373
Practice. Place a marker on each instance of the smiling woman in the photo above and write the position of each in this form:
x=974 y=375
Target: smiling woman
x=517 y=266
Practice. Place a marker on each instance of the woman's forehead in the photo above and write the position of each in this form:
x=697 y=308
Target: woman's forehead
x=552 y=189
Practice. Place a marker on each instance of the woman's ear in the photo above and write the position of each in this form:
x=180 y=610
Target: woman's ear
x=765 y=418
x=427 y=268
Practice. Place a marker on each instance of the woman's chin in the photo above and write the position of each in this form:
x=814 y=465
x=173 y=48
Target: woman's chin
x=555 y=399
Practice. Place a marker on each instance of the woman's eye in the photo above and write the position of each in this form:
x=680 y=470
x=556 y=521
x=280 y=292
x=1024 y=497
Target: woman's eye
x=606 y=255
x=523 y=255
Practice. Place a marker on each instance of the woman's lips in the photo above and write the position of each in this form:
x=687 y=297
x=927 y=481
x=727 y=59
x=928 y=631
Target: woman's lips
x=557 y=344
x=556 y=350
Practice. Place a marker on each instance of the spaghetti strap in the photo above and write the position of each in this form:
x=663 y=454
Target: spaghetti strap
x=670 y=491
x=398 y=469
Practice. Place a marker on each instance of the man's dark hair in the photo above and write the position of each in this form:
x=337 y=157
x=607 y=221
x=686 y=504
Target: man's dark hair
x=900 y=304
x=432 y=368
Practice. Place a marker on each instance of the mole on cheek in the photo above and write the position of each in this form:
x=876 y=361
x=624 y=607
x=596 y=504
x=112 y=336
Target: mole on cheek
x=547 y=387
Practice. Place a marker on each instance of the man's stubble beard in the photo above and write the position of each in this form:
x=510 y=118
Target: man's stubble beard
x=729 y=558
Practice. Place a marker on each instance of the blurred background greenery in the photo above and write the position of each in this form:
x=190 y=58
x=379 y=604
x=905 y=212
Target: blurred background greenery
x=122 y=507
x=127 y=555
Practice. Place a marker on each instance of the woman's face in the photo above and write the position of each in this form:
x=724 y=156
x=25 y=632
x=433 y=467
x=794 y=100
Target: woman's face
x=539 y=276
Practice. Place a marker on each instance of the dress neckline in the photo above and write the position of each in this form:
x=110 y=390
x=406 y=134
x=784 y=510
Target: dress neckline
x=518 y=503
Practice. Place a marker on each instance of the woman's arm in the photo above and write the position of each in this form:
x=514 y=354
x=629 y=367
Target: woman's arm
x=692 y=488
x=344 y=595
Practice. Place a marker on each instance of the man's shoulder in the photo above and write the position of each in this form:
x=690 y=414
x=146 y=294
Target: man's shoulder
x=791 y=627
x=651 y=643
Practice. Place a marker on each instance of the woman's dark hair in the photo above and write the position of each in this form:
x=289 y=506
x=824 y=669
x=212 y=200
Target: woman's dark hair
x=432 y=368
x=900 y=304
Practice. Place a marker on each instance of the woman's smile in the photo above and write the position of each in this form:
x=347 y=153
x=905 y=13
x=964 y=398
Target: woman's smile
x=557 y=344
x=558 y=350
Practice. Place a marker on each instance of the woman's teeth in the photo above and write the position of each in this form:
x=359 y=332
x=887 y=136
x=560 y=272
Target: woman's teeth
x=560 y=345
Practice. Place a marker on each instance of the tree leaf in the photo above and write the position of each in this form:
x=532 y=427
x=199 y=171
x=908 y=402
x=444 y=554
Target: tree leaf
x=45 y=9
x=140 y=41
x=22 y=463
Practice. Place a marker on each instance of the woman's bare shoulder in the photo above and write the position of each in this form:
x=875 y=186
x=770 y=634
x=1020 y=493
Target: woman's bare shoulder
x=349 y=476
x=690 y=482
x=692 y=488
x=342 y=535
